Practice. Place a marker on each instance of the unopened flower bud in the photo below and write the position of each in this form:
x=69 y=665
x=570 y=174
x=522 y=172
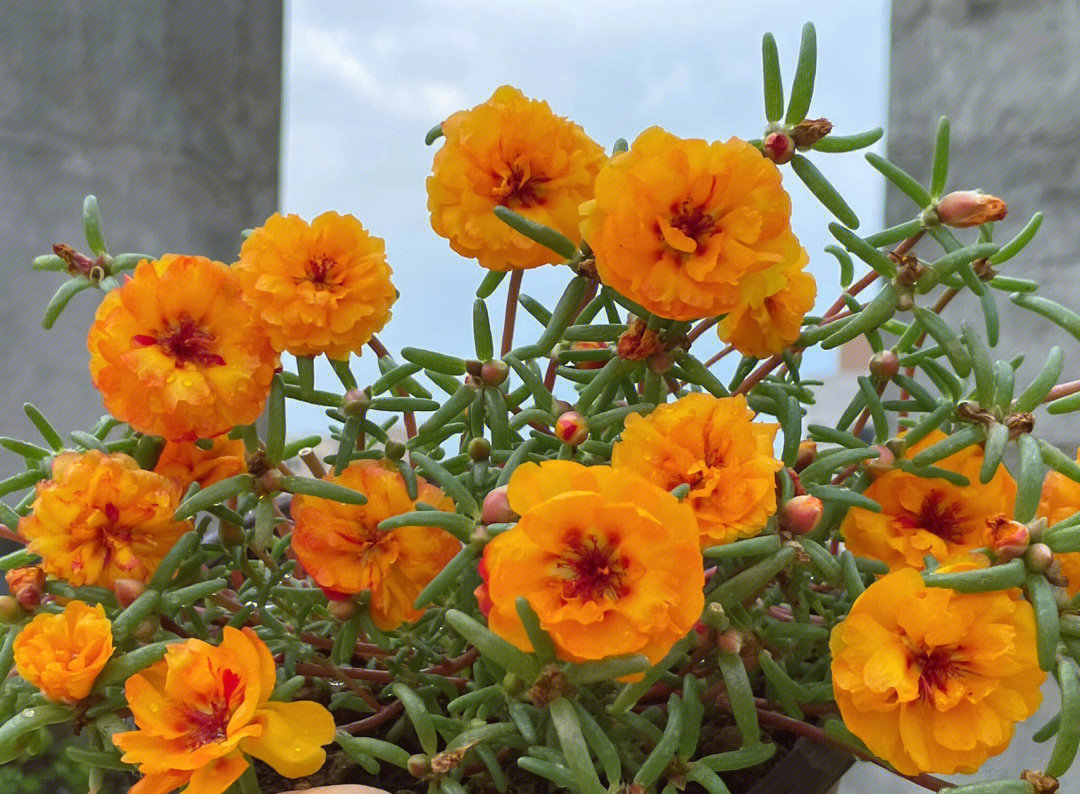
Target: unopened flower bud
x=479 y=449
x=1008 y=539
x=341 y=610
x=394 y=450
x=513 y=684
x=661 y=362
x=905 y=302
x=730 y=641
x=809 y=131
x=778 y=147
x=270 y=481
x=10 y=611
x=559 y=407
x=418 y=765
x=496 y=508
x=27 y=585
x=963 y=208
x=590 y=345
x=355 y=402
x=715 y=617
x=806 y=455
x=884 y=364
x=1038 y=557
x=1036 y=528
x=474 y=367
x=493 y=373
x=571 y=428
x=146 y=629
x=127 y=590
x=801 y=514
x=884 y=462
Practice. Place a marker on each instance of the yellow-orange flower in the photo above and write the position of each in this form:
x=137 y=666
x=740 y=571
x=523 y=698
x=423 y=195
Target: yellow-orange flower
x=512 y=152
x=184 y=462
x=62 y=654
x=713 y=444
x=691 y=229
x=102 y=518
x=921 y=516
x=931 y=679
x=202 y=708
x=608 y=561
x=1060 y=500
x=176 y=353
x=764 y=328
x=322 y=287
x=340 y=547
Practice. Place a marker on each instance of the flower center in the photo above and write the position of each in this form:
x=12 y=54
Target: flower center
x=938 y=517
x=205 y=727
x=592 y=569
x=519 y=187
x=319 y=269
x=937 y=666
x=186 y=342
x=694 y=222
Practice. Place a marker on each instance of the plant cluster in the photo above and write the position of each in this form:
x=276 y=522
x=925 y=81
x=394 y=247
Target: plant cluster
x=581 y=561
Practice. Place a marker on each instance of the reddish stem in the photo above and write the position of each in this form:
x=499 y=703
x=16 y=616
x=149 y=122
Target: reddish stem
x=511 y=311
x=755 y=377
x=1062 y=390
x=384 y=714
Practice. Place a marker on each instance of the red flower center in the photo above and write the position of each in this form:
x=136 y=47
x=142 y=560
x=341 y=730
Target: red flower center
x=592 y=569
x=186 y=342
x=520 y=187
x=937 y=666
x=938 y=517
x=319 y=269
x=694 y=222
x=210 y=726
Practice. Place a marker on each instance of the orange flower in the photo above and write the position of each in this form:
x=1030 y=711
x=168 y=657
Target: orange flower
x=511 y=152
x=608 y=561
x=202 y=708
x=102 y=518
x=27 y=585
x=691 y=229
x=714 y=445
x=322 y=287
x=339 y=545
x=176 y=353
x=62 y=654
x=931 y=679
x=921 y=516
x=765 y=328
x=184 y=462
x=1060 y=500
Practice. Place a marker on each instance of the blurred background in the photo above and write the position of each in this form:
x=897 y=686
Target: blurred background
x=194 y=119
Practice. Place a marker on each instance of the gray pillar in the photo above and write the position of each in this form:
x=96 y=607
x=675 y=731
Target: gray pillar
x=170 y=113
x=1007 y=75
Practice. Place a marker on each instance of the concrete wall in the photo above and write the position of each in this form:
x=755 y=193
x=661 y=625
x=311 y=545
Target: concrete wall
x=1007 y=75
x=170 y=113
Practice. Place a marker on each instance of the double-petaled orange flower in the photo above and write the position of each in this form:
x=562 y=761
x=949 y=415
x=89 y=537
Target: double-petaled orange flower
x=340 y=547
x=713 y=445
x=322 y=287
x=921 y=516
x=764 y=327
x=102 y=518
x=511 y=152
x=203 y=708
x=608 y=561
x=175 y=352
x=931 y=679
x=62 y=654
x=185 y=462
x=691 y=229
x=1060 y=500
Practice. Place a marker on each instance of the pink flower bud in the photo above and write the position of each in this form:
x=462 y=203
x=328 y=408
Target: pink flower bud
x=341 y=610
x=571 y=428
x=127 y=590
x=492 y=373
x=884 y=364
x=730 y=641
x=801 y=514
x=778 y=147
x=496 y=508
x=355 y=402
x=806 y=455
x=963 y=208
x=27 y=585
x=1008 y=539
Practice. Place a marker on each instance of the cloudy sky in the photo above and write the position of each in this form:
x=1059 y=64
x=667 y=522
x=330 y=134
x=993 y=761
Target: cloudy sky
x=362 y=90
